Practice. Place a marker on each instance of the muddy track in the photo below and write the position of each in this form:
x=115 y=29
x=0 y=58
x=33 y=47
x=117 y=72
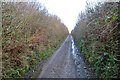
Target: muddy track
x=62 y=63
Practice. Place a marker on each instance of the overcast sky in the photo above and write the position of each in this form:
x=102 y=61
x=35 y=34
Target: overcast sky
x=66 y=10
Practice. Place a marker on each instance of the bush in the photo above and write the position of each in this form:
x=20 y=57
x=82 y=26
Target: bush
x=29 y=34
x=97 y=36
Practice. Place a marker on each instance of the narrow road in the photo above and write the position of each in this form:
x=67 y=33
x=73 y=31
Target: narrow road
x=62 y=63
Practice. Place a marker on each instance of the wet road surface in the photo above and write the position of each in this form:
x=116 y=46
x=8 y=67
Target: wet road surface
x=66 y=62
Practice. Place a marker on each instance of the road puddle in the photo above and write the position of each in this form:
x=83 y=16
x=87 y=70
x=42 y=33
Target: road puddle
x=82 y=71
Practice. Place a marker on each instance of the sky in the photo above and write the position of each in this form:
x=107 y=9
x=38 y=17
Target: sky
x=66 y=10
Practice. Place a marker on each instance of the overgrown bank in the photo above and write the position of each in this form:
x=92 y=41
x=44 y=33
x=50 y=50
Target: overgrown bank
x=97 y=35
x=29 y=34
